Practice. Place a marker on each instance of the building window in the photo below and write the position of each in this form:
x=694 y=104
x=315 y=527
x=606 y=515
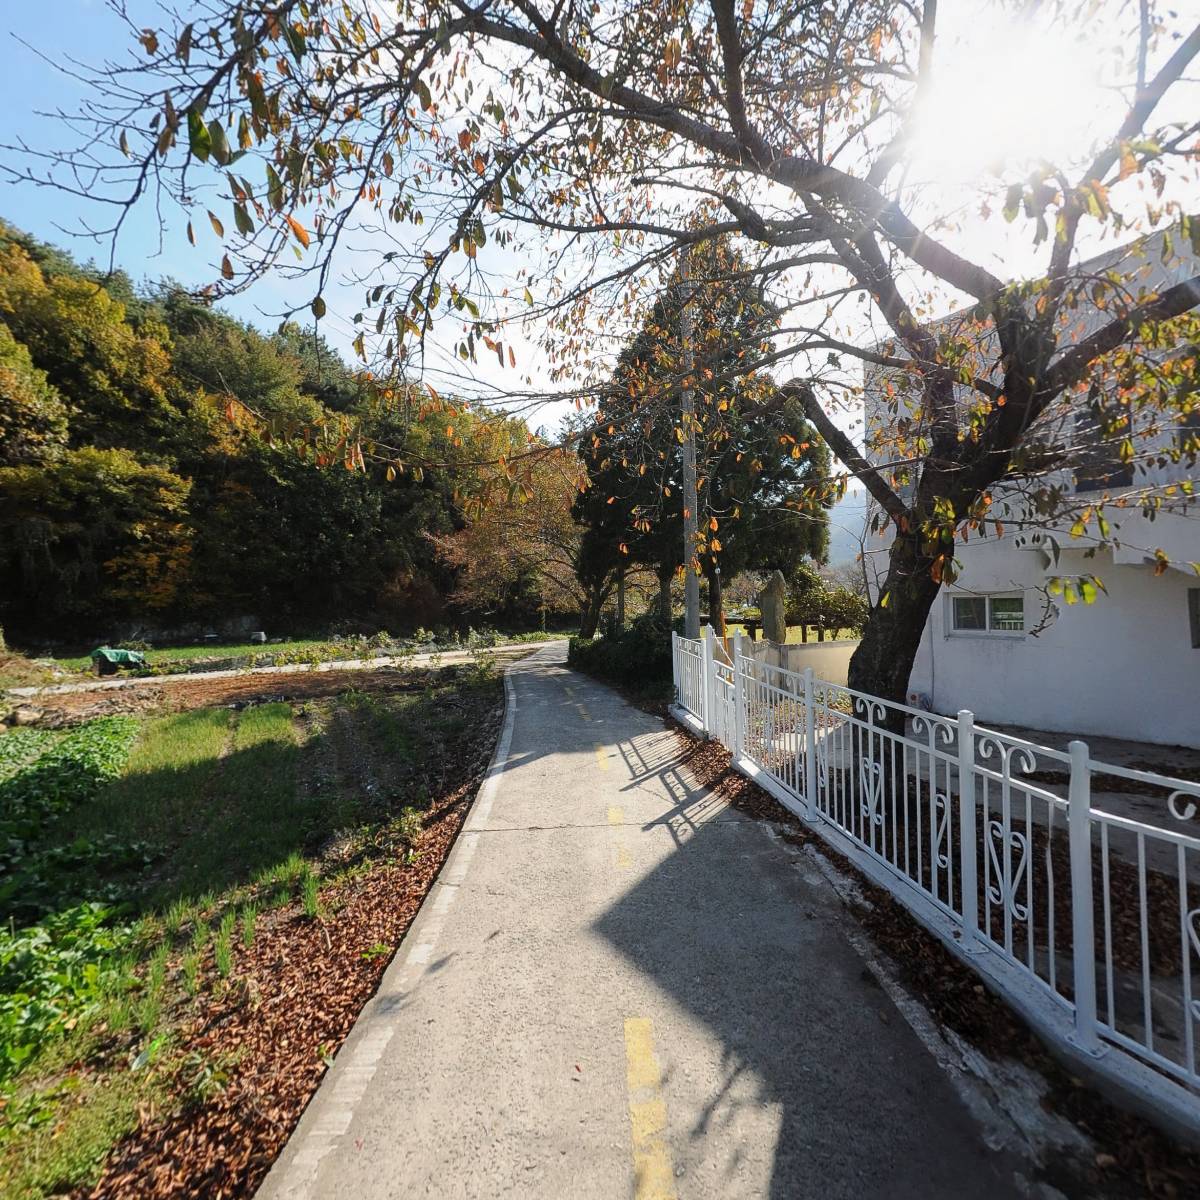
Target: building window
x=988 y=614
x=970 y=612
x=1194 y=615
x=1006 y=614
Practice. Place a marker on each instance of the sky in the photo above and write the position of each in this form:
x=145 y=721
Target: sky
x=37 y=39
x=996 y=83
x=87 y=31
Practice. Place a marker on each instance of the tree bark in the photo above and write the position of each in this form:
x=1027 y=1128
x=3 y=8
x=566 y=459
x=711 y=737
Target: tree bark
x=589 y=615
x=883 y=661
x=664 y=593
x=716 y=599
x=621 y=599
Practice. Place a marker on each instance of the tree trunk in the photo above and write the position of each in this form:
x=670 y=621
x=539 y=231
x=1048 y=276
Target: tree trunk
x=716 y=600
x=664 y=594
x=589 y=614
x=884 y=659
x=621 y=599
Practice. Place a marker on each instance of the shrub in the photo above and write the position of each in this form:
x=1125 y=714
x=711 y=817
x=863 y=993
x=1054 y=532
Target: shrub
x=38 y=781
x=639 y=655
x=52 y=973
x=409 y=827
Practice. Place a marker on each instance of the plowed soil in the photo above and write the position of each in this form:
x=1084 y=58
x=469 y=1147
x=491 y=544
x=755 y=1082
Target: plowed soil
x=184 y=692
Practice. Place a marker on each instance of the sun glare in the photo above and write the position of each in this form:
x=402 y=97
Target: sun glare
x=1005 y=95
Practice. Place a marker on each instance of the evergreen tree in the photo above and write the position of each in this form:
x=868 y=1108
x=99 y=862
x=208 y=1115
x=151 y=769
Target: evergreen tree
x=757 y=457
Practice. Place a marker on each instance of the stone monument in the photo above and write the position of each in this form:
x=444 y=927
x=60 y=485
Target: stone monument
x=772 y=603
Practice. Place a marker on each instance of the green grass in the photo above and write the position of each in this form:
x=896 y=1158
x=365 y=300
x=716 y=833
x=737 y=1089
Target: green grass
x=90 y=1114
x=172 y=767
x=232 y=813
x=169 y=655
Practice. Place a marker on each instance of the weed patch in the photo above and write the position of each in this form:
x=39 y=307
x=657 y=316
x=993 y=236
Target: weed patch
x=169 y=863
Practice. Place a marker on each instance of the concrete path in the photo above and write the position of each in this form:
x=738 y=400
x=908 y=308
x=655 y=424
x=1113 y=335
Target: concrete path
x=619 y=987
x=444 y=658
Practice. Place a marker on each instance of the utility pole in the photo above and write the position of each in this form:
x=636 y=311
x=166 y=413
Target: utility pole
x=687 y=405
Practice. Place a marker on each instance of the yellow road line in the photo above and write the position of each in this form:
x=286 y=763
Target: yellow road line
x=624 y=861
x=653 y=1171
x=616 y=816
x=601 y=757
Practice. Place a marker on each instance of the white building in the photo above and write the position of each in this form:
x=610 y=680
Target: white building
x=1127 y=665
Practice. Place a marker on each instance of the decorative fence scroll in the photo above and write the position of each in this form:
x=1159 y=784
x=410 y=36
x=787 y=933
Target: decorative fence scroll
x=1031 y=854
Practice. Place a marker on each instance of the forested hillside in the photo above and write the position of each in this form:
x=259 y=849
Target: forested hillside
x=153 y=471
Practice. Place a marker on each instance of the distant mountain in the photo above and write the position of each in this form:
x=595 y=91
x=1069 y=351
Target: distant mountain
x=847 y=520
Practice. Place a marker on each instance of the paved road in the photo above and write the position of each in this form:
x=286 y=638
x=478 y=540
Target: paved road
x=621 y=988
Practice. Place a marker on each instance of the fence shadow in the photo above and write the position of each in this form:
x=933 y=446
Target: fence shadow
x=746 y=944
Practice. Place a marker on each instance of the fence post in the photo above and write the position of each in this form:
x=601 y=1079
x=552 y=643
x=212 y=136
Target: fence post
x=967 y=846
x=708 y=677
x=1083 y=949
x=810 y=744
x=675 y=663
x=739 y=699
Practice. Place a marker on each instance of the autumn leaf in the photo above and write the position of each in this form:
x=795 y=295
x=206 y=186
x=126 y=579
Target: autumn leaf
x=226 y=267
x=214 y=220
x=302 y=235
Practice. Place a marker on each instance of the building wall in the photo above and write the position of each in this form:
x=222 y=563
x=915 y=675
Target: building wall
x=829 y=660
x=1123 y=666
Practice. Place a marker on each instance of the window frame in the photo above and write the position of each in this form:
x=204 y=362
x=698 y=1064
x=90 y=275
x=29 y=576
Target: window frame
x=988 y=631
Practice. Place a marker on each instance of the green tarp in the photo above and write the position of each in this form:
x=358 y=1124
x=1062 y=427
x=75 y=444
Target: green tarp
x=118 y=658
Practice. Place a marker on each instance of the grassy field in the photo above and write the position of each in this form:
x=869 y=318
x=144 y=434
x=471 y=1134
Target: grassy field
x=144 y=859
x=793 y=633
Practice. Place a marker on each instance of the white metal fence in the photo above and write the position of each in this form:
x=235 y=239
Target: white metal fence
x=1030 y=857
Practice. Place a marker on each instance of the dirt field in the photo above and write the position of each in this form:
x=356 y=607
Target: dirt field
x=184 y=692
